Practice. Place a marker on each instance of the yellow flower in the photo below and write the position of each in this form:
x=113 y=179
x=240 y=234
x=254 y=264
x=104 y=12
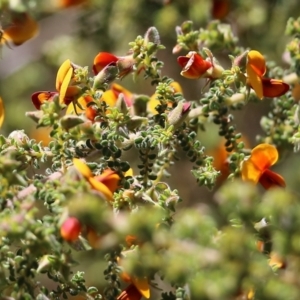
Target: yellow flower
x=256 y=168
x=106 y=183
x=263 y=87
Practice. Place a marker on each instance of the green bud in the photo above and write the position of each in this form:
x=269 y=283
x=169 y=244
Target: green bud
x=70 y=121
x=152 y=35
x=35 y=115
x=105 y=76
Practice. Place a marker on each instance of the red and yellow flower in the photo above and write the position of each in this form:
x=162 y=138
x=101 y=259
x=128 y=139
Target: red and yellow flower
x=124 y=63
x=105 y=183
x=194 y=66
x=256 y=168
x=263 y=87
x=138 y=287
x=70 y=229
x=22 y=29
x=65 y=90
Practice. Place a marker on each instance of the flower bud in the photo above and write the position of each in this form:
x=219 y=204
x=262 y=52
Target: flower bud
x=105 y=76
x=152 y=36
x=70 y=121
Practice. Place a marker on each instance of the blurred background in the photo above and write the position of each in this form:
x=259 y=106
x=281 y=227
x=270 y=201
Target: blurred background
x=79 y=32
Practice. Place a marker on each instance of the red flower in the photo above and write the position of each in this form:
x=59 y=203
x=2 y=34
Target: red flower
x=263 y=87
x=194 y=66
x=256 y=168
x=104 y=59
x=70 y=229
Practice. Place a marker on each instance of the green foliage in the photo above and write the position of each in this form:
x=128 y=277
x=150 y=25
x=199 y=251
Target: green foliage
x=241 y=244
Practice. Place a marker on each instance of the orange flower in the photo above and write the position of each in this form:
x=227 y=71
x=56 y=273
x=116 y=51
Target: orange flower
x=106 y=183
x=104 y=59
x=67 y=93
x=70 y=229
x=256 y=168
x=263 y=87
x=194 y=66
x=22 y=29
x=39 y=98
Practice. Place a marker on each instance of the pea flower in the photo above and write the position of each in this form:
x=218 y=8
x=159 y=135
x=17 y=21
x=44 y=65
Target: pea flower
x=124 y=63
x=138 y=287
x=195 y=66
x=70 y=229
x=256 y=168
x=66 y=92
x=22 y=29
x=105 y=183
x=263 y=87
x=110 y=97
x=220 y=8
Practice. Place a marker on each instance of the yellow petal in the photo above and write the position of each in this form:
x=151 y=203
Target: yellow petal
x=257 y=62
x=81 y=101
x=142 y=285
x=250 y=172
x=264 y=156
x=2 y=113
x=82 y=168
x=63 y=70
x=176 y=86
x=255 y=81
x=110 y=98
x=100 y=187
x=65 y=85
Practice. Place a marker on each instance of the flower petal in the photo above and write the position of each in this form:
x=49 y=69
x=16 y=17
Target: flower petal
x=110 y=179
x=39 y=98
x=130 y=293
x=274 y=87
x=70 y=229
x=101 y=187
x=142 y=285
x=250 y=172
x=82 y=168
x=22 y=29
x=264 y=156
x=255 y=81
x=256 y=62
x=271 y=179
x=117 y=89
x=64 y=86
x=2 y=112
x=62 y=72
x=102 y=60
x=194 y=66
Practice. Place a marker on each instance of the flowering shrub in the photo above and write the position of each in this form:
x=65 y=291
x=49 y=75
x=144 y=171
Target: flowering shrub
x=99 y=189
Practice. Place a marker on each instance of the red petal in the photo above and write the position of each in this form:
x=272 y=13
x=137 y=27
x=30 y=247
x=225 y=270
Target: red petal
x=274 y=87
x=102 y=60
x=271 y=179
x=38 y=98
